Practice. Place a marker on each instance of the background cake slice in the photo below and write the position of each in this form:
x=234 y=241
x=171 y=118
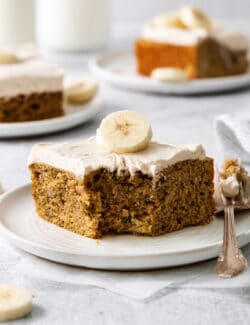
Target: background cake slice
x=90 y=191
x=30 y=89
x=191 y=41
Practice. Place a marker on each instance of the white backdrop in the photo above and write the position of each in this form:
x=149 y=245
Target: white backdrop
x=134 y=10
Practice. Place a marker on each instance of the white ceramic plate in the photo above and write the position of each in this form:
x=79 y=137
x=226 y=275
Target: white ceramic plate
x=75 y=115
x=118 y=68
x=24 y=229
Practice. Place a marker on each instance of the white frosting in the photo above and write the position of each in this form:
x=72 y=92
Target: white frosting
x=189 y=37
x=30 y=76
x=84 y=157
x=173 y=35
x=230 y=186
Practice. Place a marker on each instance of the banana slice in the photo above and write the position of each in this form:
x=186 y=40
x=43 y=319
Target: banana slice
x=124 y=132
x=169 y=75
x=193 y=17
x=169 y=20
x=15 y=302
x=82 y=91
x=8 y=57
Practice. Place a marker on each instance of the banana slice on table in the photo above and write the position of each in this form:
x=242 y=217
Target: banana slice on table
x=169 y=75
x=15 y=302
x=124 y=132
x=169 y=20
x=82 y=91
x=8 y=57
x=193 y=17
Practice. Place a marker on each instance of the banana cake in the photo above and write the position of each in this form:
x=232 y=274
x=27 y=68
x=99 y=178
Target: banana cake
x=122 y=182
x=30 y=89
x=190 y=40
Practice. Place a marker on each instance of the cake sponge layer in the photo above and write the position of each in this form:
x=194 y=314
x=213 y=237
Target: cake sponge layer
x=115 y=201
x=36 y=106
x=207 y=59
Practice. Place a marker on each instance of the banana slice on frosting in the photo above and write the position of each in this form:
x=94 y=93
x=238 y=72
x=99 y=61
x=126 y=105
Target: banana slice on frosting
x=15 y=302
x=8 y=57
x=124 y=132
x=169 y=75
x=82 y=91
x=193 y=17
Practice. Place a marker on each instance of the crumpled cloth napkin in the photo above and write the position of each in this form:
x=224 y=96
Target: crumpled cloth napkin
x=233 y=136
x=22 y=268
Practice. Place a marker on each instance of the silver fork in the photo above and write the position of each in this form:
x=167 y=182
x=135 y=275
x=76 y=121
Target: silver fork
x=231 y=260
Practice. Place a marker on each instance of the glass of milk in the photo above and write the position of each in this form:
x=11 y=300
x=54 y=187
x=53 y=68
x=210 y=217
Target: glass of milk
x=16 y=22
x=72 y=25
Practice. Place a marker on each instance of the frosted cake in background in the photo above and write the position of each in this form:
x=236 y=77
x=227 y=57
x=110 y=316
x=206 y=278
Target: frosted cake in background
x=190 y=40
x=30 y=88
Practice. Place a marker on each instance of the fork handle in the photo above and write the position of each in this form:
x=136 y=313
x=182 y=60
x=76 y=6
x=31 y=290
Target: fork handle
x=230 y=246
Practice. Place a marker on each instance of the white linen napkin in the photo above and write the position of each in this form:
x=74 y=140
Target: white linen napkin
x=233 y=136
x=20 y=267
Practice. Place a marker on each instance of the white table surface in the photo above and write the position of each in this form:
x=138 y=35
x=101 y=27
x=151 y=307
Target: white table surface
x=175 y=120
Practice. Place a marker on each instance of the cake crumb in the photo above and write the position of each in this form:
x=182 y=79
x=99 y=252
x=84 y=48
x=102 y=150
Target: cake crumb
x=139 y=205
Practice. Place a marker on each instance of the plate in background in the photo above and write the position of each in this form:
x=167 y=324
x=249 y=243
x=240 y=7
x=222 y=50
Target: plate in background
x=74 y=115
x=119 y=69
x=22 y=227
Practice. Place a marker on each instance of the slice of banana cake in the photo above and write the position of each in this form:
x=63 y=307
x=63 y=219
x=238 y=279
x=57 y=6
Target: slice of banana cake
x=31 y=89
x=122 y=182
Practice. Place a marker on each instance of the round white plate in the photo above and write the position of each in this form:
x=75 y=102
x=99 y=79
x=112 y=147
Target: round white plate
x=23 y=228
x=74 y=115
x=119 y=69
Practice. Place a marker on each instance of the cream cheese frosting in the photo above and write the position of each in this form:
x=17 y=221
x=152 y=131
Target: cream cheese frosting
x=234 y=181
x=82 y=158
x=230 y=186
x=30 y=76
x=173 y=35
x=188 y=37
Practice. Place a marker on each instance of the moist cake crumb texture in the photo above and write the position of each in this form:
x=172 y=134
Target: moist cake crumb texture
x=36 y=106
